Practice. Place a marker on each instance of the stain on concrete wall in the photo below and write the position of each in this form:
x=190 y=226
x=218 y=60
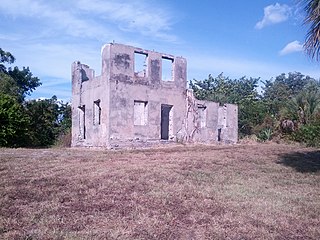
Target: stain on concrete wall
x=122 y=61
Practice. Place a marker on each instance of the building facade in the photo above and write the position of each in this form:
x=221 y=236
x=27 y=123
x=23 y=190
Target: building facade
x=140 y=99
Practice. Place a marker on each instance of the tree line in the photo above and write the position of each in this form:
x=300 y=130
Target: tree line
x=28 y=123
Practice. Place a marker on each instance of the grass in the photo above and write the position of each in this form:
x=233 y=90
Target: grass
x=262 y=191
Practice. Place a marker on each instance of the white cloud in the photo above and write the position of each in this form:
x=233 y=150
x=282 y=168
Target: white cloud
x=273 y=14
x=292 y=47
x=96 y=19
x=55 y=18
x=133 y=16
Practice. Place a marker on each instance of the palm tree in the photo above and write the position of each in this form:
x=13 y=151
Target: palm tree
x=312 y=43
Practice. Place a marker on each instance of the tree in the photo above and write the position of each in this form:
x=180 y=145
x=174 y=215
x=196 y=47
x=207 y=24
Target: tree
x=24 y=80
x=312 y=43
x=303 y=108
x=8 y=86
x=49 y=120
x=278 y=91
x=43 y=116
x=214 y=89
x=241 y=91
x=225 y=90
x=64 y=118
x=31 y=123
x=5 y=57
x=14 y=123
x=17 y=82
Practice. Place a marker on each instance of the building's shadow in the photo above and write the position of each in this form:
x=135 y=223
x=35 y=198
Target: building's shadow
x=305 y=162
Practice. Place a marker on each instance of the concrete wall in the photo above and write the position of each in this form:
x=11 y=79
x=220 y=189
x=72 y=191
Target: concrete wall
x=128 y=86
x=138 y=107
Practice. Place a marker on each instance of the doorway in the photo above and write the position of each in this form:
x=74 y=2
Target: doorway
x=166 y=121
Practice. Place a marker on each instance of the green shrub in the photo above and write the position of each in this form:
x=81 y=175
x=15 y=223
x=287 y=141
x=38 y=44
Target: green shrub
x=308 y=134
x=265 y=135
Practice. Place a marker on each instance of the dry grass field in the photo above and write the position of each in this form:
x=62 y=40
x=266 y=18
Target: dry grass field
x=262 y=191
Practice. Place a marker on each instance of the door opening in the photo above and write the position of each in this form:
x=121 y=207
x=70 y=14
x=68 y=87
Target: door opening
x=219 y=134
x=166 y=121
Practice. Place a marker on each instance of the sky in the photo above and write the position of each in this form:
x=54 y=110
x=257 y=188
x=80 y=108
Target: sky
x=259 y=39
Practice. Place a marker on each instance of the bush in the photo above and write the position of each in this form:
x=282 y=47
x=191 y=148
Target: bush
x=265 y=135
x=64 y=140
x=308 y=134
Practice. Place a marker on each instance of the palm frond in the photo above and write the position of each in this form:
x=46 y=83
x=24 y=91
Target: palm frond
x=312 y=43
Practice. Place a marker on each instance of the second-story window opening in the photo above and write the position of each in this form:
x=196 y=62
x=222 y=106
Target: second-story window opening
x=167 y=69
x=140 y=64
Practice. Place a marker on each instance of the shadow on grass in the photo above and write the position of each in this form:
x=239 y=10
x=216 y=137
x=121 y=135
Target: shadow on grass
x=306 y=162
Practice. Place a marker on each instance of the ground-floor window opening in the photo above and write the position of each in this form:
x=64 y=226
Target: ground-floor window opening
x=140 y=113
x=202 y=111
x=96 y=112
x=82 y=121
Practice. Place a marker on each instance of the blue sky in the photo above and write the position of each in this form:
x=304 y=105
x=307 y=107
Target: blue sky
x=239 y=38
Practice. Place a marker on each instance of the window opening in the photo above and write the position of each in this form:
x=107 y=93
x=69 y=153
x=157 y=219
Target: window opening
x=222 y=122
x=96 y=112
x=222 y=116
x=202 y=110
x=82 y=123
x=140 y=64
x=140 y=113
x=167 y=69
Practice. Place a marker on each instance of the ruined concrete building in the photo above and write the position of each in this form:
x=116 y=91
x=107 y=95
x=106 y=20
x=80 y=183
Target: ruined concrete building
x=141 y=98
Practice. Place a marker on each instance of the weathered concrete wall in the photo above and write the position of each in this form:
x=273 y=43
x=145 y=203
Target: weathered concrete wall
x=129 y=107
x=88 y=91
x=129 y=87
x=209 y=122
